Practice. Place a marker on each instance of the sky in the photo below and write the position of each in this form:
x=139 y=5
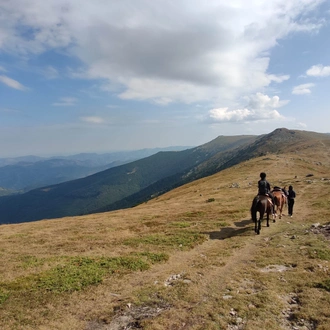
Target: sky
x=106 y=75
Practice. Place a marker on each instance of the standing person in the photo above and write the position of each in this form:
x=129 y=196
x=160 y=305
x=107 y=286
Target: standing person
x=291 y=197
x=264 y=188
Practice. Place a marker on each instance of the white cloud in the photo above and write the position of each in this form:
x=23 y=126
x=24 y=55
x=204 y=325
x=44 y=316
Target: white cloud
x=169 y=52
x=318 y=71
x=302 y=89
x=12 y=83
x=65 y=102
x=92 y=119
x=224 y=114
x=259 y=107
x=262 y=101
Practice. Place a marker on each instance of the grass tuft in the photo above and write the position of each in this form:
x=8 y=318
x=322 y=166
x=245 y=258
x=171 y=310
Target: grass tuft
x=324 y=285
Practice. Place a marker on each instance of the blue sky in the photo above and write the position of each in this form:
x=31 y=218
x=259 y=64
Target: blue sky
x=98 y=76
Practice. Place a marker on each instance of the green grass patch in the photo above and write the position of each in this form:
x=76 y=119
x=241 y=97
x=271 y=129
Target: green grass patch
x=323 y=254
x=72 y=277
x=76 y=273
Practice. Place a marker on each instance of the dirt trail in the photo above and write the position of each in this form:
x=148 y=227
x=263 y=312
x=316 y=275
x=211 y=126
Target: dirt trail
x=204 y=270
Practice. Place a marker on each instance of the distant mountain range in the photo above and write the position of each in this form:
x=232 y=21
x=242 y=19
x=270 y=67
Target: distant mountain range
x=138 y=181
x=22 y=174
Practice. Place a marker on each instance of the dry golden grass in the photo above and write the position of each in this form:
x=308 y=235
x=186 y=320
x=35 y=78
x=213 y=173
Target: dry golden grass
x=115 y=270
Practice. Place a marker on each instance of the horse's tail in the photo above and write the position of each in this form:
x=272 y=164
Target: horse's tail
x=254 y=209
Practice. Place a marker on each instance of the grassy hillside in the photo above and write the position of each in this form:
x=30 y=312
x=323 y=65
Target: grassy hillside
x=188 y=259
x=105 y=190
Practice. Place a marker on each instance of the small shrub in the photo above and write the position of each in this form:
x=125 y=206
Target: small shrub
x=153 y=257
x=3 y=296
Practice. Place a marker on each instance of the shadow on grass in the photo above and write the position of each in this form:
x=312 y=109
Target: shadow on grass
x=245 y=228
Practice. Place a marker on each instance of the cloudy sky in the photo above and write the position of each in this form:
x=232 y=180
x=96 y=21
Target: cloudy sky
x=105 y=75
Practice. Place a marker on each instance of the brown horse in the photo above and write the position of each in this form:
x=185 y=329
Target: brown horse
x=263 y=205
x=280 y=200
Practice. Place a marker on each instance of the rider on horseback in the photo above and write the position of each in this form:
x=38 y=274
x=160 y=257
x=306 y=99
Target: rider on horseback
x=264 y=188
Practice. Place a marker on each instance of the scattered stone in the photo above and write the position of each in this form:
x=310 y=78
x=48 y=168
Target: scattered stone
x=226 y=297
x=232 y=312
x=129 y=319
x=172 y=279
x=239 y=320
x=186 y=281
x=321 y=229
x=234 y=185
x=274 y=268
x=115 y=294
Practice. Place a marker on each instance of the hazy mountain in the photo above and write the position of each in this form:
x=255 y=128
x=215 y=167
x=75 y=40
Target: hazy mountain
x=16 y=160
x=22 y=174
x=104 y=189
x=26 y=175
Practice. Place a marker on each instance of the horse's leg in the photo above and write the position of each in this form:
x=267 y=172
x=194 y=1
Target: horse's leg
x=268 y=219
x=262 y=212
x=274 y=215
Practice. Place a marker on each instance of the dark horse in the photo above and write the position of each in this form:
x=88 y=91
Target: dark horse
x=263 y=205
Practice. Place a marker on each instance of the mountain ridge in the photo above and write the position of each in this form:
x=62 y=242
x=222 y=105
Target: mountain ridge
x=136 y=182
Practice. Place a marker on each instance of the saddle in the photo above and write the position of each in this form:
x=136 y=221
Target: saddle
x=266 y=195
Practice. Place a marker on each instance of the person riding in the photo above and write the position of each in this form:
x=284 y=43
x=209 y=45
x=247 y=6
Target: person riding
x=264 y=188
